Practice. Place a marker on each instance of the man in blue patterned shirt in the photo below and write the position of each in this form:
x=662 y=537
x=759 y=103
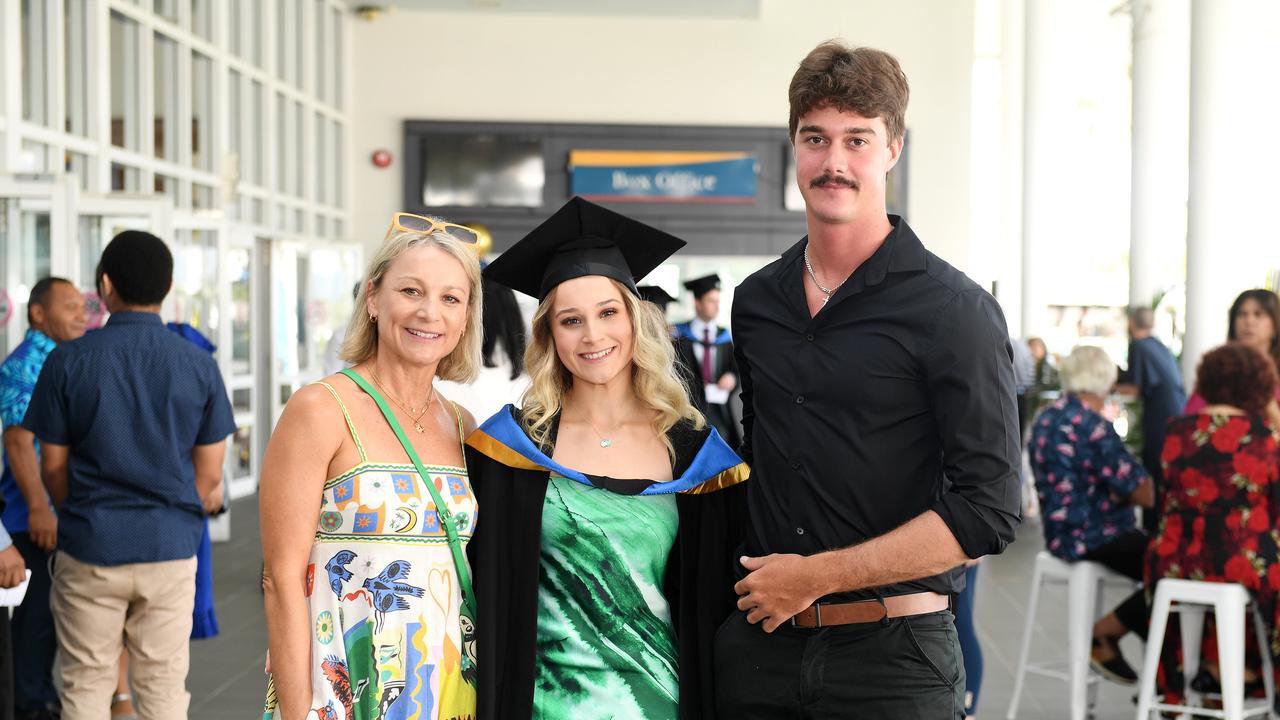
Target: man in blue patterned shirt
x=55 y=314
x=132 y=421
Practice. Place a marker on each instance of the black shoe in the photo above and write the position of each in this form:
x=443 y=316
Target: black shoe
x=1114 y=669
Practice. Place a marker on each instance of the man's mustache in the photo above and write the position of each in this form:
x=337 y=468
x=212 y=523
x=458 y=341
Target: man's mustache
x=833 y=179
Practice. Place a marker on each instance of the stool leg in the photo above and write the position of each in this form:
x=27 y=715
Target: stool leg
x=1264 y=649
x=1098 y=600
x=1230 y=620
x=1191 y=620
x=1081 y=596
x=1028 y=628
x=1151 y=660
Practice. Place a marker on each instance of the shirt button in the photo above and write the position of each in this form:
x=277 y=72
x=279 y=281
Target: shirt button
x=795 y=466
x=799 y=399
x=799 y=531
x=809 y=337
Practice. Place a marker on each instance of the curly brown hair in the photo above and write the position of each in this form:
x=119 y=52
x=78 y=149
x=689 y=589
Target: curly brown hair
x=863 y=80
x=1237 y=375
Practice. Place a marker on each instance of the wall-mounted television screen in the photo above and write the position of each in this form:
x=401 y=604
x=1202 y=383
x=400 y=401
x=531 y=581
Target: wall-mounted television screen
x=482 y=170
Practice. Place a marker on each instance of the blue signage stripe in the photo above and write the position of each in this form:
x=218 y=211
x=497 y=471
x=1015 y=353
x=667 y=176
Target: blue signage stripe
x=693 y=182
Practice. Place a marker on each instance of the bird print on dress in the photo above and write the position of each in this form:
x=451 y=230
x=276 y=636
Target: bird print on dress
x=387 y=590
x=338 y=572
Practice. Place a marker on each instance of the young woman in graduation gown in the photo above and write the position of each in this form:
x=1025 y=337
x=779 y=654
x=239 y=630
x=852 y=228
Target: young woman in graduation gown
x=604 y=560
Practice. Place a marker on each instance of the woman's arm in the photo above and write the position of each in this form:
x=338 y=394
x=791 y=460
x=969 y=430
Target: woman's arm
x=304 y=443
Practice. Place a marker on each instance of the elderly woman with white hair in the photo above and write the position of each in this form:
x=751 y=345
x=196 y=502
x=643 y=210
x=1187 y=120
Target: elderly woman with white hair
x=1089 y=484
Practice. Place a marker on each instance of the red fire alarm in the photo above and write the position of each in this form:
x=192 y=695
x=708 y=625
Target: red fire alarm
x=381 y=158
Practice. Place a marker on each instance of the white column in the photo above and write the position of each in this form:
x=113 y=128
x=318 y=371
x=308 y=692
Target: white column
x=1158 y=220
x=1231 y=225
x=1042 y=149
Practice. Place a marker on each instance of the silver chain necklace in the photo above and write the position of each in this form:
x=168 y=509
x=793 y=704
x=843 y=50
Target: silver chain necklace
x=812 y=276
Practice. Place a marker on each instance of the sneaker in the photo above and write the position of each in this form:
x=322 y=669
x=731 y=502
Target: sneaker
x=1113 y=668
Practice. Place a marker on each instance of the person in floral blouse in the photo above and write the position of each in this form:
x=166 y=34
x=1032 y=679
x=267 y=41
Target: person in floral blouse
x=1089 y=485
x=1218 y=520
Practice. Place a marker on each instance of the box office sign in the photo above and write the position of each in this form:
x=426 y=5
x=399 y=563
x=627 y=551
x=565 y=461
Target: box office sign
x=663 y=176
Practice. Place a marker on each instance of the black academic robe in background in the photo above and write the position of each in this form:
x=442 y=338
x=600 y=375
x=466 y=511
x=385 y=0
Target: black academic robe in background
x=505 y=560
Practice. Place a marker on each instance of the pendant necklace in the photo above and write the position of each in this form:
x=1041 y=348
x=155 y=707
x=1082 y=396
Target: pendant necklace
x=417 y=419
x=826 y=293
x=604 y=441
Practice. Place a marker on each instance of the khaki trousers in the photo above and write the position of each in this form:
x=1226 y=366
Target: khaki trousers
x=144 y=606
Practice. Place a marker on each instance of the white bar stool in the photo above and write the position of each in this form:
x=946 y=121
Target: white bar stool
x=1085 y=581
x=1191 y=599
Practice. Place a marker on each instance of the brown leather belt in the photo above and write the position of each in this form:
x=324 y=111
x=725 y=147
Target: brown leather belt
x=820 y=615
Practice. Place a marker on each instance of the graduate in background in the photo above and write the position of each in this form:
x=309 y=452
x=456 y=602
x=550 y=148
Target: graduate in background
x=685 y=365
x=612 y=512
x=709 y=351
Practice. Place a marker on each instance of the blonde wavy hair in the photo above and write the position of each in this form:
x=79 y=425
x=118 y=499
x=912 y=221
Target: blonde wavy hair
x=463 y=363
x=652 y=379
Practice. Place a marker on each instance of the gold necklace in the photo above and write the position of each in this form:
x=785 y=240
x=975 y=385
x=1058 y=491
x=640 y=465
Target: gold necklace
x=417 y=420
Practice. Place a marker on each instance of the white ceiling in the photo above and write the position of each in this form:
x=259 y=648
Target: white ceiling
x=645 y=8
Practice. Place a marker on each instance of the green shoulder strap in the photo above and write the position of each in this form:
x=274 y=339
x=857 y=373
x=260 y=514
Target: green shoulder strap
x=446 y=518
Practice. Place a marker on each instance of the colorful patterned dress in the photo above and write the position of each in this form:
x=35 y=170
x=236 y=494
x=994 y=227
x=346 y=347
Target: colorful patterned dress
x=384 y=596
x=1218 y=519
x=606 y=647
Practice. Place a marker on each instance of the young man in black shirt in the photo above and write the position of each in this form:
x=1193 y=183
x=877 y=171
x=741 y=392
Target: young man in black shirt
x=880 y=425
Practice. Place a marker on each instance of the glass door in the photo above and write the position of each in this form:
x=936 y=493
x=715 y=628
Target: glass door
x=32 y=221
x=240 y=340
x=97 y=220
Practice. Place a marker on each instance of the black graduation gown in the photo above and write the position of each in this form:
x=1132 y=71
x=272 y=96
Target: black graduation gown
x=505 y=560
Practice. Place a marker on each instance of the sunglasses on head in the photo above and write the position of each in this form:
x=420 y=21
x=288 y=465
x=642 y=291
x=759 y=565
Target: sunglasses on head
x=425 y=224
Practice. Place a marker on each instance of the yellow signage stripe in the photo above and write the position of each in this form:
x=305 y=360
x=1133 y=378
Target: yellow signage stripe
x=638 y=158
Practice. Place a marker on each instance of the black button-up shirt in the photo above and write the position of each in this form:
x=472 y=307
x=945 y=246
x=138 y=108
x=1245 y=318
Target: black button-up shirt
x=895 y=399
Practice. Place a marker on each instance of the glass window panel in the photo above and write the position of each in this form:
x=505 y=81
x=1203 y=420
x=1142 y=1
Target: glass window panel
x=167 y=186
x=203 y=196
x=303 y=279
x=33 y=33
x=239 y=268
x=322 y=226
x=339 y=77
x=282 y=144
x=34 y=157
x=257 y=133
x=124 y=178
x=241 y=461
x=167 y=9
x=321 y=157
x=194 y=297
x=259 y=211
x=166 y=97
x=202 y=19
x=234 y=131
x=202 y=112
x=299 y=219
x=254 y=8
x=299 y=150
x=299 y=46
x=125 y=125
x=340 y=165
x=76 y=67
x=323 y=73
x=283 y=24
x=234 y=36
x=78 y=165
x=242 y=400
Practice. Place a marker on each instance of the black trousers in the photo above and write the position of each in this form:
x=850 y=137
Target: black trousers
x=33 y=632
x=896 y=669
x=1125 y=554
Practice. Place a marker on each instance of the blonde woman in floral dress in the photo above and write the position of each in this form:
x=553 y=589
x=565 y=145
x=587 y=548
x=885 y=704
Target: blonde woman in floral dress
x=361 y=588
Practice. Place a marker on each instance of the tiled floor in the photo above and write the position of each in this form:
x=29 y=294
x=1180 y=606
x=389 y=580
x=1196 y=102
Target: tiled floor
x=227 y=681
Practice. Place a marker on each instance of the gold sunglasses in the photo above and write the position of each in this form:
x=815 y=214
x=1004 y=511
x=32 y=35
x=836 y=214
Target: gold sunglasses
x=425 y=224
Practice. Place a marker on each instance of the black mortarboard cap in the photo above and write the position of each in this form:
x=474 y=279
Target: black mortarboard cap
x=581 y=239
x=656 y=295
x=703 y=285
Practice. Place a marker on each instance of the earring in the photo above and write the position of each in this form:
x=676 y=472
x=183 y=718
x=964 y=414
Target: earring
x=373 y=319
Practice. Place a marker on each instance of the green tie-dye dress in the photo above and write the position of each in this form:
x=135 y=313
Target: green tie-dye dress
x=606 y=647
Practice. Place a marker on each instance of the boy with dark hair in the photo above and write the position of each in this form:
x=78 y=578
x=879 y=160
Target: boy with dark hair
x=133 y=422
x=880 y=425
